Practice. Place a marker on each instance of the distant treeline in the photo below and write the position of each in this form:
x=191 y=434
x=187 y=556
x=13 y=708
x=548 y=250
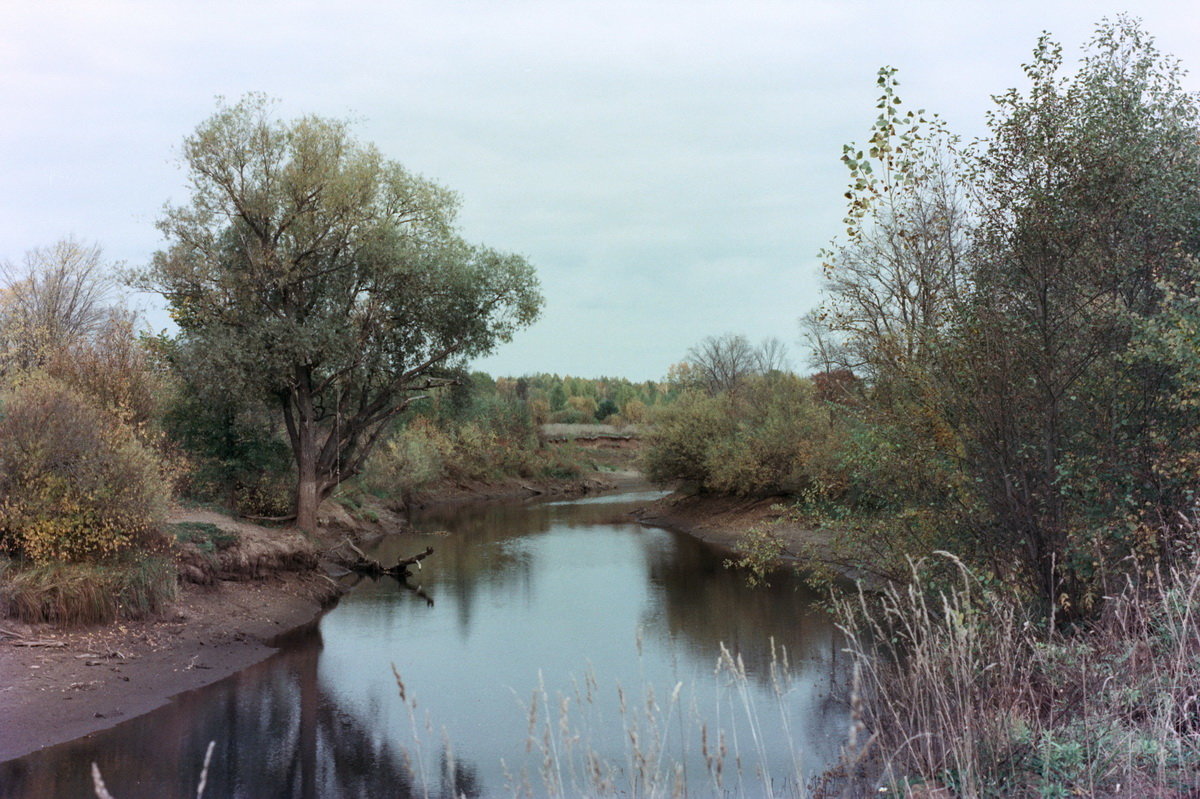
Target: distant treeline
x=554 y=399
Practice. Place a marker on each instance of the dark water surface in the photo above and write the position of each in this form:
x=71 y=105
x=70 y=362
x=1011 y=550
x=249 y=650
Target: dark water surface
x=553 y=647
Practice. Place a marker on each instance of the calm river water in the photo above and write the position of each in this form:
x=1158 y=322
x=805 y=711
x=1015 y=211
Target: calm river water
x=551 y=648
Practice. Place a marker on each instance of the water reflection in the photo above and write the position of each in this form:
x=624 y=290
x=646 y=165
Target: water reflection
x=596 y=616
x=275 y=732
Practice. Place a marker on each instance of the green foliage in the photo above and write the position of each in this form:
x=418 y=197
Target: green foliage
x=605 y=409
x=1089 y=203
x=760 y=552
x=678 y=444
x=74 y=485
x=478 y=431
x=768 y=437
x=328 y=281
x=233 y=451
x=999 y=304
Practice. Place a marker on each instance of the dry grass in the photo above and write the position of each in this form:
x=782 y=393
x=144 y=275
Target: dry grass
x=73 y=594
x=569 y=751
x=568 y=432
x=965 y=694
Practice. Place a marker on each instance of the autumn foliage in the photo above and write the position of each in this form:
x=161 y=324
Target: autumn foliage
x=74 y=485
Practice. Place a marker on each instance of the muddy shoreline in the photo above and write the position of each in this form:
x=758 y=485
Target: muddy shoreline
x=57 y=685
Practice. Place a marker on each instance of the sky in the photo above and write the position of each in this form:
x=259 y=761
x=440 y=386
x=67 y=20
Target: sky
x=671 y=168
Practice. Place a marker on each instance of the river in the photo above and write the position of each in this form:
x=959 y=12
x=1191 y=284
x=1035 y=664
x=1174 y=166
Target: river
x=545 y=648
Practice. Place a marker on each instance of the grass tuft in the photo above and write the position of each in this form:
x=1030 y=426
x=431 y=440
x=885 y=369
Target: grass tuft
x=75 y=594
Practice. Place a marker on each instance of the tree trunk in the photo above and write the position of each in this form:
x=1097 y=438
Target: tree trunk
x=308 y=501
x=308 y=489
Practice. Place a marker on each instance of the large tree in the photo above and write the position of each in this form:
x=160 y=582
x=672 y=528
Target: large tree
x=1089 y=202
x=311 y=270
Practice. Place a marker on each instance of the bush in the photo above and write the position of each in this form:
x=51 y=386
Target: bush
x=766 y=438
x=74 y=484
x=410 y=460
x=487 y=439
x=677 y=447
x=111 y=369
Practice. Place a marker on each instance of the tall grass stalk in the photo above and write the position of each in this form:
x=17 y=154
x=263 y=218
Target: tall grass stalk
x=72 y=594
x=571 y=750
x=966 y=692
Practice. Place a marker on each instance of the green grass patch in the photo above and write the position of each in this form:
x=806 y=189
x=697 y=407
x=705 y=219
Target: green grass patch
x=205 y=536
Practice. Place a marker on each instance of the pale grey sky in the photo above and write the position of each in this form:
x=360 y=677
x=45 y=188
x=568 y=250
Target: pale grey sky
x=671 y=168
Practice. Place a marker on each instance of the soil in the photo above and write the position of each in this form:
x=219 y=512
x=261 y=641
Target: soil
x=723 y=520
x=60 y=684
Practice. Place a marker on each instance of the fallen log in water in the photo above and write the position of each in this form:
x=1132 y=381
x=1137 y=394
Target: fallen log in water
x=373 y=568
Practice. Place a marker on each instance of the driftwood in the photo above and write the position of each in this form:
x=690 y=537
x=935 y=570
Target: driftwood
x=373 y=568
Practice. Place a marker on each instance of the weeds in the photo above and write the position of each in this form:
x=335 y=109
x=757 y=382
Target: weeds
x=966 y=691
x=666 y=746
x=205 y=536
x=87 y=593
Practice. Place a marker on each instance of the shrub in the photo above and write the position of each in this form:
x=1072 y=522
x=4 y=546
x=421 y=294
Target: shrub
x=74 y=484
x=762 y=439
x=677 y=447
x=409 y=461
x=111 y=369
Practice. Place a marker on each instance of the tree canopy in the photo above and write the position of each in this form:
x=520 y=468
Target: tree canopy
x=309 y=269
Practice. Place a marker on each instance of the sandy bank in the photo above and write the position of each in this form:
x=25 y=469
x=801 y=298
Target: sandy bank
x=57 y=685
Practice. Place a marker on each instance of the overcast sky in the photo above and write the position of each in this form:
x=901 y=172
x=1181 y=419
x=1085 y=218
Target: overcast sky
x=671 y=168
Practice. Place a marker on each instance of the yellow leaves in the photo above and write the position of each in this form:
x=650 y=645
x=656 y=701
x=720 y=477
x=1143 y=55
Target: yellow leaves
x=75 y=486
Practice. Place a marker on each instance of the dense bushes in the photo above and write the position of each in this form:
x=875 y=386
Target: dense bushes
x=770 y=436
x=74 y=484
x=476 y=432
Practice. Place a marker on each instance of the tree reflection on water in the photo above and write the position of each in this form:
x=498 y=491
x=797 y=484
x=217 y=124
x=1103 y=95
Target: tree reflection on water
x=275 y=733
x=517 y=600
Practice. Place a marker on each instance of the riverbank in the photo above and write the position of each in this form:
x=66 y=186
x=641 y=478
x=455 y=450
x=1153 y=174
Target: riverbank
x=725 y=520
x=728 y=522
x=60 y=684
